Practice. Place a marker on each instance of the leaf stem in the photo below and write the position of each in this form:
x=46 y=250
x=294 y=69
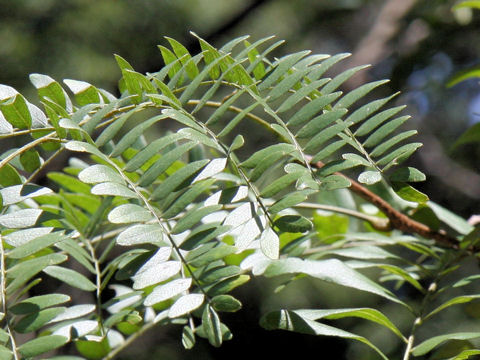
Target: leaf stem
x=216 y=104
x=158 y=220
x=48 y=137
x=25 y=132
x=3 y=290
x=128 y=341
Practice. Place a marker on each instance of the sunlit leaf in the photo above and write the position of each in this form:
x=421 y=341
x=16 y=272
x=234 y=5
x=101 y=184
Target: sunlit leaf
x=185 y=305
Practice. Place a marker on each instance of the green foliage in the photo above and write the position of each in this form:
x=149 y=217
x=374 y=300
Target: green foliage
x=166 y=201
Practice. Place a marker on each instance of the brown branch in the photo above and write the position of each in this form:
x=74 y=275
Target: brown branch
x=398 y=220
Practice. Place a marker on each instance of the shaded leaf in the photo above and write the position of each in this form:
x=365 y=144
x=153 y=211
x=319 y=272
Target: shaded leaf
x=331 y=270
x=41 y=345
x=70 y=277
x=293 y=223
x=364 y=313
x=409 y=193
x=291 y=321
x=226 y=303
x=36 y=303
x=455 y=301
x=36 y=320
x=211 y=326
x=188 y=337
x=428 y=345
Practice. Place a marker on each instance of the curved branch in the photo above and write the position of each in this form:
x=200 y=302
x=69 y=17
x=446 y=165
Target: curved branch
x=397 y=219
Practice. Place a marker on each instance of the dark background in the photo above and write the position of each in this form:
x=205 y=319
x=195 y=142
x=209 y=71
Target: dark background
x=418 y=44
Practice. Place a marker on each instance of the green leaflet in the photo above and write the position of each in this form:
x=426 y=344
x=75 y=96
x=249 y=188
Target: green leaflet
x=179 y=179
x=293 y=223
x=211 y=326
x=35 y=321
x=300 y=94
x=100 y=173
x=281 y=67
x=260 y=155
x=293 y=321
x=384 y=131
x=18 y=193
x=226 y=285
x=49 y=88
x=41 y=345
x=9 y=176
x=70 y=277
x=470 y=73
x=331 y=270
x=164 y=163
x=128 y=139
x=113 y=189
x=145 y=155
x=286 y=84
x=36 y=303
x=320 y=122
x=407 y=174
x=455 y=301
x=167 y=291
x=156 y=274
x=129 y=213
x=364 y=313
x=428 y=345
x=341 y=78
x=226 y=303
x=354 y=95
x=185 y=305
x=187 y=198
x=20 y=219
x=30 y=160
x=36 y=245
x=69 y=183
x=465 y=354
x=85 y=93
x=210 y=255
x=141 y=234
x=193 y=217
x=312 y=108
x=16 y=112
x=188 y=338
x=375 y=121
x=185 y=58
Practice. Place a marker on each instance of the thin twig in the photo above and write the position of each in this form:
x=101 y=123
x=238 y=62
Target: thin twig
x=3 y=290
